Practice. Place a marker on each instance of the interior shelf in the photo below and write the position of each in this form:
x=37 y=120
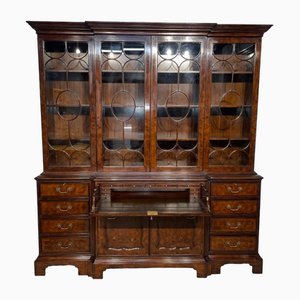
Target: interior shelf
x=223 y=142
x=232 y=77
x=68 y=141
x=123 y=77
x=81 y=75
x=229 y=111
x=124 y=71
x=172 y=77
x=83 y=109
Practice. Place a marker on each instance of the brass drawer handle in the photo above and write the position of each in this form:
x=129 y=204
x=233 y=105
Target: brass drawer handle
x=64 y=208
x=235 y=189
x=233 y=225
x=67 y=190
x=65 y=246
x=232 y=244
x=65 y=227
x=234 y=208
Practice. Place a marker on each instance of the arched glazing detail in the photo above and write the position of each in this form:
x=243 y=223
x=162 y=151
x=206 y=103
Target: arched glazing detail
x=123 y=105
x=231 y=100
x=67 y=102
x=178 y=75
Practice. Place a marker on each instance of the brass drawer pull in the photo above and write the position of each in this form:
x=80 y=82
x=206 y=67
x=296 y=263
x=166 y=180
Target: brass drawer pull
x=67 y=190
x=233 y=225
x=234 y=208
x=64 y=208
x=65 y=246
x=65 y=227
x=232 y=244
x=235 y=189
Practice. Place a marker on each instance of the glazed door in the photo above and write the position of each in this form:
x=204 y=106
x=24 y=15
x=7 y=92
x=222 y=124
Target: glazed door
x=123 y=102
x=232 y=90
x=175 y=104
x=66 y=99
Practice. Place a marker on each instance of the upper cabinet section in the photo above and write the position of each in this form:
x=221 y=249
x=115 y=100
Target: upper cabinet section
x=148 y=96
x=67 y=102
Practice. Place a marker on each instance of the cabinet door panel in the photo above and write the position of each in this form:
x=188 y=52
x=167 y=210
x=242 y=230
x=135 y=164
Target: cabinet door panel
x=66 y=104
x=174 y=235
x=124 y=102
x=123 y=236
x=232 y=90
x=176 y=105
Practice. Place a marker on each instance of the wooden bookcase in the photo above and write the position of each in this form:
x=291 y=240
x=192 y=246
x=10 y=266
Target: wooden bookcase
x=148 y=145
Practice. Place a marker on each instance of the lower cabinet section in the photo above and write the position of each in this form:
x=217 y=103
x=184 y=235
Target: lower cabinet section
x=95 y=226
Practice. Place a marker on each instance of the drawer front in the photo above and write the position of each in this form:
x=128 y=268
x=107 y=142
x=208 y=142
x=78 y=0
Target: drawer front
x=64 y=226
x=64 y=208
x=234 y=189
x=234 y=207
x=64 y=189
x=58 y=244
x=233 y=225
x=233 y=243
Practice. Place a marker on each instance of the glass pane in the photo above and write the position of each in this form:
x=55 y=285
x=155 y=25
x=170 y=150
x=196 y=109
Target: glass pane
x=178 y=76
x=67 y=101
x=231 y=102
x=123 y=76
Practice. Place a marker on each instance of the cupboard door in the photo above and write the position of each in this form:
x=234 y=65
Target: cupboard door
x=66 y=107
x=177 y=74
x=176 y=236
x=124 y=71
x=122 y=236
x=233 y=84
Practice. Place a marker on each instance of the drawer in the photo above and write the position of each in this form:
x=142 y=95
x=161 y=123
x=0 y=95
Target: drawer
x=64 y=208
x=232 y=188
x=64 y=226
x=233 y=243
x=234 y=207
x=59 y=244
x=64 y=189
x=233 y=225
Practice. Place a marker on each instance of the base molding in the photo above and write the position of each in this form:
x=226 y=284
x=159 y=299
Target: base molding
x=217 y=261
x=201 y=265
x=82 y=263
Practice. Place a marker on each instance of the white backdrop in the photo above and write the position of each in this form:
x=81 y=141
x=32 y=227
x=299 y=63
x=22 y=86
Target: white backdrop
x=277 y=155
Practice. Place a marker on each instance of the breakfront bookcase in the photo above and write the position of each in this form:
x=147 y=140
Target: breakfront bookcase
x=148 y=146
